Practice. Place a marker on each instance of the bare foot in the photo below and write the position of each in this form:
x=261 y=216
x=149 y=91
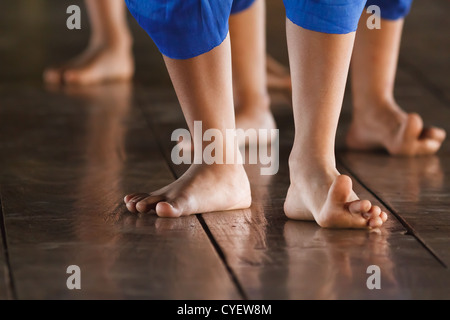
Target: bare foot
x=388 y=127
x=330 y=201
x=201 y=189
x=97 y=64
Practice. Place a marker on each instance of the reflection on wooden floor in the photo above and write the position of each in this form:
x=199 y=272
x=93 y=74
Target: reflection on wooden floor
x=69 y=155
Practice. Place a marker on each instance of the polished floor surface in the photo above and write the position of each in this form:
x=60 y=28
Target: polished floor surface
x=69 y=155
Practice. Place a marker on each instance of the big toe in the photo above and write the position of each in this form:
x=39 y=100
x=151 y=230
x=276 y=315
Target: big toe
x=414 y=126
x=419 y=141
x=340 y=189
x=167 y=210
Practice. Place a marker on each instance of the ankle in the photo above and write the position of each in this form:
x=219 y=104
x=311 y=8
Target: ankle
x=305 y=167
x=386 y=107
x=253 y=101
x=229 y=172
x=363 y=101
x=118 y=41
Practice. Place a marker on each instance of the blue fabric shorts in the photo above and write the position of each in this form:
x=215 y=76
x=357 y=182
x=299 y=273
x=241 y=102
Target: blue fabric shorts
x=340 y=16
x=392 y=9
x=183 y=29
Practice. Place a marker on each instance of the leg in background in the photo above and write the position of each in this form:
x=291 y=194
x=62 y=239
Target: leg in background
x=278 y=76
x=378 y=121
x=248 y=47
x=108 y=55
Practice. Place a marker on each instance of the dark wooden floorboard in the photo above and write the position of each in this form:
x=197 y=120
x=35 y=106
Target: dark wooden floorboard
x=274 y=258
x=425 y=46
x=71 y=158
x=416 y=189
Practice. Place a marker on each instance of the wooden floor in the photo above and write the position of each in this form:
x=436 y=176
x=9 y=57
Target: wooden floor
x=68 y=156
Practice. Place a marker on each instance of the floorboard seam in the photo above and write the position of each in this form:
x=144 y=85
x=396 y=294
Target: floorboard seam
x=405 y=224
x=222 y=256
x=12 y=294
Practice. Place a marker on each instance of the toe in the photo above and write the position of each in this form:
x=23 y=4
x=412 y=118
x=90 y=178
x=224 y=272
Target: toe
x=427 y=146
x=147 y=204
x=134 y=196
x=360 y=207
x=131 y=206
x=340 y=189
x=167 y=210
x=417 y=140
x=434 y=133
x=374 y=212
x=414 y=127
x=383 y=216
x=375 y=222
x=132 y=200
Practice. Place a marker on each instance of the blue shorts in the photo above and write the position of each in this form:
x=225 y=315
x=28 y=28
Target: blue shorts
x=340 y=16
x=183 y=29
x=392 y=9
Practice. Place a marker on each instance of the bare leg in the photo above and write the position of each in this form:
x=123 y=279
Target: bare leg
x=319 y=68
x=208 y=97
x=108 y=55
x=248 y=47
x=378 y=122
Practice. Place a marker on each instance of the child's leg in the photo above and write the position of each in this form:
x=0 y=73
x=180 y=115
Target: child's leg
x=200 y=69
x=378 y=122
x=248 y=47
x=108 y=55
x=319 y=66
x=204 y=96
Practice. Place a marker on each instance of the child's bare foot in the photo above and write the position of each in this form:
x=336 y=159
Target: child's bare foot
x=387 y=126
x=97 y=64
x=202 y=188
x=328 y=199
